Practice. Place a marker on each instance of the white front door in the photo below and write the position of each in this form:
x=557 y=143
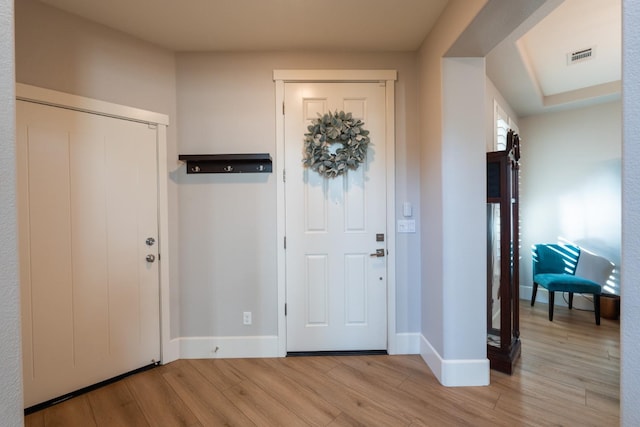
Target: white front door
x=336 y=291
x=87 y=203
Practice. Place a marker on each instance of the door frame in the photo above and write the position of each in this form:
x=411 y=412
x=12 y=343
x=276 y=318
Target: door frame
x=169 y=351
x=388 y=78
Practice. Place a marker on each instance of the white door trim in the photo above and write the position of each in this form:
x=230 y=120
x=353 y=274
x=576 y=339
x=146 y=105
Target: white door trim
x=387 y=77
x=169 y=350
x=88 y=105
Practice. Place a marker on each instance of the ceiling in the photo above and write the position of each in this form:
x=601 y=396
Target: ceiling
x=259 y=25
x=530 y=71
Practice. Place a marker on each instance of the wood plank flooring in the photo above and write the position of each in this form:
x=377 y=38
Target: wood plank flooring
x=568 y=375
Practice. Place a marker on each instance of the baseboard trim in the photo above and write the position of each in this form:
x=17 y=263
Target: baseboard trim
x=527 y=291
x=407 y=343
x=455 y=373
x=228 y=347
x=257 y=346
x=170 y=351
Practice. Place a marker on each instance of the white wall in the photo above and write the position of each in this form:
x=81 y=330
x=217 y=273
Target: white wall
x=227 y=222
x=60 y=51
x=570 y=182
x=630 y=300
x=10 y=351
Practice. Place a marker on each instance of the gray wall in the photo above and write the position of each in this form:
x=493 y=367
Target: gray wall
x=226 y=104
x=630 y=300
x=10 y=351
x=434 y=275
x=570 y=186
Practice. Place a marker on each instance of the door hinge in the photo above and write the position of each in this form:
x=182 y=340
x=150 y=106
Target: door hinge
x=283 y=108
x=285 y=308
x=285 y=242
x=284 y=175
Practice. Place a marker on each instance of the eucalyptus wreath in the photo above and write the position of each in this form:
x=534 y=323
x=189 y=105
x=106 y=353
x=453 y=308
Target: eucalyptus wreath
x=335 y=128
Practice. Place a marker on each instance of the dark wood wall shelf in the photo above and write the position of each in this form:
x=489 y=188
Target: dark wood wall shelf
x=227 y=163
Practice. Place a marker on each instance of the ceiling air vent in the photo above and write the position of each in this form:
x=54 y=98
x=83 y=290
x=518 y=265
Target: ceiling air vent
x=580 y=55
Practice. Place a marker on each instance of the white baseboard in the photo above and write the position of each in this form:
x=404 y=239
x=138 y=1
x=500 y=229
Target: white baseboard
x=455 y=373
x=407 y=343
x=170 y=351
x=228 y=347
x=526 y=292
x=259 y=346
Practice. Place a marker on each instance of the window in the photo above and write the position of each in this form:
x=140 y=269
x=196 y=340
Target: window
x=503 y=123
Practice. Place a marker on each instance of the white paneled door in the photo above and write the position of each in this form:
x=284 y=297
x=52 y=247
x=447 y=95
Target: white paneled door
x=336 y=284
x=87 y=190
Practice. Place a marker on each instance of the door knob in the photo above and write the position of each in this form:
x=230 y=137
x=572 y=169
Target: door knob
x=151 y=258
x=379 y=253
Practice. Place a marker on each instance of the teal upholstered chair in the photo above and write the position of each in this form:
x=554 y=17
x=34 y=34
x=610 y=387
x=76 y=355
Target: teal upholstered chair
x=554 y=268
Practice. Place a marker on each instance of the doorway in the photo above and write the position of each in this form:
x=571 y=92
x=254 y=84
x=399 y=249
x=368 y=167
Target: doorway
x=90 y=237
x=326 y=315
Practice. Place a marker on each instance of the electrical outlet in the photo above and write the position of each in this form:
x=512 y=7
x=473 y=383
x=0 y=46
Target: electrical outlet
x=246 y=317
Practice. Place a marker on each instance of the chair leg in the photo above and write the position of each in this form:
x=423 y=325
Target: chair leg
x=570 y=300
x=596 y=306
x=551 y=302
x=533 y=295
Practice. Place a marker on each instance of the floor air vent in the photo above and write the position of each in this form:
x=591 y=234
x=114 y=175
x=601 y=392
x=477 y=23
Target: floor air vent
x=580 y=56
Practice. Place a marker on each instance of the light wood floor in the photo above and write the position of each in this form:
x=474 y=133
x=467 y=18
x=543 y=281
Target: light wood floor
x=568 y=375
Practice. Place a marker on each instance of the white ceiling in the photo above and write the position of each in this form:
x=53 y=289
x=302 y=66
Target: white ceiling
x=585 y=24
x=531 y=72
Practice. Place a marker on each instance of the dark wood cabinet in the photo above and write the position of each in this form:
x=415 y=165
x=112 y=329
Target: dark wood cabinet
x=503 y=334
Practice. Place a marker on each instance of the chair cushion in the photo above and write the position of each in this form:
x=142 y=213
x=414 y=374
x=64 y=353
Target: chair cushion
x=567 y=283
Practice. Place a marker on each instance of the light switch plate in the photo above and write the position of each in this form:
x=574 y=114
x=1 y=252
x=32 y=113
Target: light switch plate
x=407 y=209
x=406 y=226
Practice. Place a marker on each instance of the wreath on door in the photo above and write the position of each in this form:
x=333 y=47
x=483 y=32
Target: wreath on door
x=335 y=143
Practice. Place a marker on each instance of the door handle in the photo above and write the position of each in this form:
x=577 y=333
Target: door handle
x=379 y=253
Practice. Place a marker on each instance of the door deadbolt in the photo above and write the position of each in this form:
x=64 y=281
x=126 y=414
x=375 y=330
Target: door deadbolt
x=150 y=241
x=151 y=258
